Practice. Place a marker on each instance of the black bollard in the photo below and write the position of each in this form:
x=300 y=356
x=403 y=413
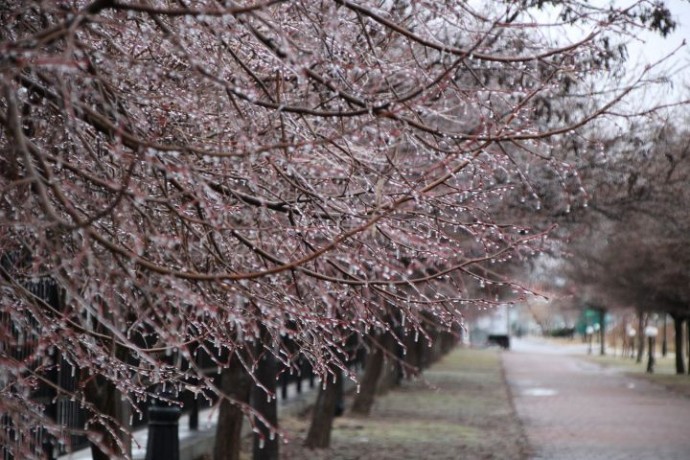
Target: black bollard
x=194 y=414
x=164 y=440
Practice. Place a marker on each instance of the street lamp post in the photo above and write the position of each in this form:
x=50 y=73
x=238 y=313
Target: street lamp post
x=650 y=332
x=631 y=340
x=664 y=340
x=589 y=332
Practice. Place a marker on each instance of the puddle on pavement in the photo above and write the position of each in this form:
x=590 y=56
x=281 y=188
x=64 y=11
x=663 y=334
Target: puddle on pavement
x=539 y=392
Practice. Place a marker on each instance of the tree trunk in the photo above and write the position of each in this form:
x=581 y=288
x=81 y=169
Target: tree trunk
x=640 y=337
x=367 y=388
x=435 y=346
x=105 y=397
x=266 y=445
x=236 y=384
x=679 y=343
x=416 y=352
x=422 y=351
x=448 y=339
x=412 y=358
x=319 y=436
x=107 y=400
x=392 y=372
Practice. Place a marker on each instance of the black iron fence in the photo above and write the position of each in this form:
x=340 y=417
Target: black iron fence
x=59 y=381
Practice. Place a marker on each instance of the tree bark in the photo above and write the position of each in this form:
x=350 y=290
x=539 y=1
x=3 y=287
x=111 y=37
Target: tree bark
x=364 y=400
x=266 y=445
x=392 y=372
x=235 y=384
x=412 y=358
x=434 y=346
x=679 y=343
x=448 y=339
x=419 y=352
x=423 y=354
x=105 y=398
x=319 y=436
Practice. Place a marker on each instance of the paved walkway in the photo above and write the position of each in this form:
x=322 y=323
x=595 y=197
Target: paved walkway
x=572 y=409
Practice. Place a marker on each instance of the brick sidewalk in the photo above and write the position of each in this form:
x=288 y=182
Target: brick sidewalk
x=575 y=410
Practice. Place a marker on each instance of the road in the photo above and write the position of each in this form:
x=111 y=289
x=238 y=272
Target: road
x=572 y=409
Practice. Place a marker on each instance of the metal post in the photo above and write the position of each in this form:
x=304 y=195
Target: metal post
x=650 y=360
x=589 y=332
x=164 y=441
x=664 y=343
x=651 y=332
x=602 y=331
x=194 y=413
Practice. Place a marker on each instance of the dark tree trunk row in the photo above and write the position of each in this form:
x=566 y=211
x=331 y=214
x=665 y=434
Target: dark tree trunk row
x=383 y=369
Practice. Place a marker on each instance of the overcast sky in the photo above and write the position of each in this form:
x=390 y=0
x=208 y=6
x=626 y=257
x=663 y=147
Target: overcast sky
x=651 y=45
x=644 y=48
x=648 y=48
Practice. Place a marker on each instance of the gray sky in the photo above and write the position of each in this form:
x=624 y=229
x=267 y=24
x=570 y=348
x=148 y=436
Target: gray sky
x=644 y=48
x=648 y=48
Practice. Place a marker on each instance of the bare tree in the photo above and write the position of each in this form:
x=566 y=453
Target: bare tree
x=218 y=176
x=635 y=251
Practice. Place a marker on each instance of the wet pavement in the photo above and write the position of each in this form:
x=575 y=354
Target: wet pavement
x=572 y=409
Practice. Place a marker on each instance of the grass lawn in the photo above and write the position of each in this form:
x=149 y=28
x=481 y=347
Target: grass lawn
x=460 y=409
x=664 y=371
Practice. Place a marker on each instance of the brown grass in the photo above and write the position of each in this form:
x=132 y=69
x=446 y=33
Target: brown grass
x=461 y=409
x=664 y=371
